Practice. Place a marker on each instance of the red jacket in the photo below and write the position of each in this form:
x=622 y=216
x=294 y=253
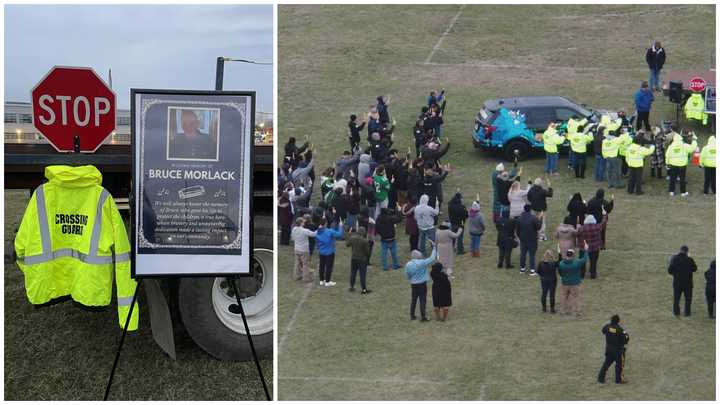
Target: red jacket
x=592 y=235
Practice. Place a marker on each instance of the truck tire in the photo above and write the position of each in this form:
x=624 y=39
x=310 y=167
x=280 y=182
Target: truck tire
x=209 y=309
x=521 y=146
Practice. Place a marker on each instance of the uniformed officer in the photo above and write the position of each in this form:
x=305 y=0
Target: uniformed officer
x=676 y=157
x=615 y=340
x=635 y=158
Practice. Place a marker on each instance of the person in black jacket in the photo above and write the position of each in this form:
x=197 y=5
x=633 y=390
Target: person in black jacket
x=503 y=182
x=458 y=213
x=354 y=132
x=292 y=150
x=432 y=185
x=655 y=58
x=527 y=227
x=577 y=209
x=710 y=289
x=548 y=271
x=441 y=292
x=681 y=268
x=505 y=239
x=385 y=227
x=537 y=196
x=615 y=340
x=595 y=207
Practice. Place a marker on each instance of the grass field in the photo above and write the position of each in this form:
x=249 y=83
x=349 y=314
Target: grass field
x=497 y=344
x=64 y=353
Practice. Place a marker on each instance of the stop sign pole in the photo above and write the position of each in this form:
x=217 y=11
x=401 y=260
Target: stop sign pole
x=74 y=109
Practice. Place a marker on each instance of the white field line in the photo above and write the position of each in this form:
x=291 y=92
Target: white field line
x=444 y=34
x=368 y=380
x=294 y=315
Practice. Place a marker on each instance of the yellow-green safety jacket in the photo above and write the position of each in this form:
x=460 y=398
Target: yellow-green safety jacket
x=635 y=154
x=572 y=125
x=625 y=142
x=551 y=139
x=695 y=108
x=71 y=238
x=610 y=147
x=707 y=156
x=609 y=124
x=579 y=141
x=678 y=151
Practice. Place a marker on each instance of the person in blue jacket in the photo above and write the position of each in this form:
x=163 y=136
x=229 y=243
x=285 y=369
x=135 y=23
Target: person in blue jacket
x=325 y=239
x=416 y=270
x=643 y=101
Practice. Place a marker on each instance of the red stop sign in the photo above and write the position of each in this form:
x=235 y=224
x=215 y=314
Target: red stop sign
x=697 y=84
x=72 y=101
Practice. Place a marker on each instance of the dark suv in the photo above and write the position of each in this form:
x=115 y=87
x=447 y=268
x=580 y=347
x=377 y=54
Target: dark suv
x=538 y=111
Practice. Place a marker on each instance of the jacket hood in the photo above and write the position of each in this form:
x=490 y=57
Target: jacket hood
x=456 y=200
x=365 y=158
x=677 y=138
x=589 y=220
x=711 y=141
x=424 y=199
x=69 y=176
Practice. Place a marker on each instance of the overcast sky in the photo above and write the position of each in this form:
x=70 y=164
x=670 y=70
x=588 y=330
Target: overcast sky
x=157 y=47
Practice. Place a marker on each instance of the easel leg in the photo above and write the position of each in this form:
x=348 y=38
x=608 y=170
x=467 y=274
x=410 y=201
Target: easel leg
x=231 y=280
x=122 y=340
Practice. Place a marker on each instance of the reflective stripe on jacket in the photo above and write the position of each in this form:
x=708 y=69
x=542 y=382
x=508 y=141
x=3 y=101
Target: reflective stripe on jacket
x=610 y=147
x=551 y=140
x=695 y=108
x=70 y=240
x=579 y=141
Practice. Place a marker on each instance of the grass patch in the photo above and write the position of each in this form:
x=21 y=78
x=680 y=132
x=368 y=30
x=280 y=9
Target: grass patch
x=497 y=345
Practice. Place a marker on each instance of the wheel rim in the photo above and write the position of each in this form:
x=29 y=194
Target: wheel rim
x=256 y=295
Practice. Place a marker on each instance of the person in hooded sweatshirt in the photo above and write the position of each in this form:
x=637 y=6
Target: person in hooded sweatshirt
x=360 y=252
x=444 y=239
x=577 y=208
x=325 y=238
x=566 y=235
x=590 y=233
x=476 y=227
x=417 y=273
x=600 y=208
x=458 y=213
x=425 y=218
x=441 y=292
x=506 y=240
x=710 y=289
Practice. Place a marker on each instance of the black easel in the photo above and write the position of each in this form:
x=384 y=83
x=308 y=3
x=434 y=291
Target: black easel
x=231 y=280
x=120 y=346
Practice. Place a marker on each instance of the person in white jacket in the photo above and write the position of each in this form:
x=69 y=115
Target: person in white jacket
x=300 y=235
x=517 y=197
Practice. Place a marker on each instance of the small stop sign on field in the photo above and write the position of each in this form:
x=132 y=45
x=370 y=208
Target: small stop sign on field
x=697 y=84
x=71 y=101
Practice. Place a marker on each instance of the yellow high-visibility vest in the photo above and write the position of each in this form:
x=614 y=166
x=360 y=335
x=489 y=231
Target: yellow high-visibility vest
x=70 y=240
x=635 y=154
x=678 y=151
x=579 y=141
x=707 y=156
x=611 y=147
x=551 y=140
x=695 y=108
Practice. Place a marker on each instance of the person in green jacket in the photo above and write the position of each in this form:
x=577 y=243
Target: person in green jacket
x=569 y=269
x=360 y=248
x=382 y=189
x=707 y=162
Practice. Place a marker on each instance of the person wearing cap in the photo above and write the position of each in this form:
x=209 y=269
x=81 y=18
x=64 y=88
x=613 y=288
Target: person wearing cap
x=682 y=268
x=417 y=273
x=676 y=157
x=615 y=340
x=476 y=227
x=551 y=140
x=445 y=238
x=570 y=282
x=590 y=233
x=635 y=158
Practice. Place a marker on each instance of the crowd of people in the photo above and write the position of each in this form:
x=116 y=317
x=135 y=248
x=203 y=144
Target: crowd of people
x=372 y=191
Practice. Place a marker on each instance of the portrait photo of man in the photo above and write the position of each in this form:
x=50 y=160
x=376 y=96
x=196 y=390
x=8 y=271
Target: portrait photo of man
x=192 y=134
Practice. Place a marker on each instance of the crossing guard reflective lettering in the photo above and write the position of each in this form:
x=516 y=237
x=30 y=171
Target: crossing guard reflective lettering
x=87 y=277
